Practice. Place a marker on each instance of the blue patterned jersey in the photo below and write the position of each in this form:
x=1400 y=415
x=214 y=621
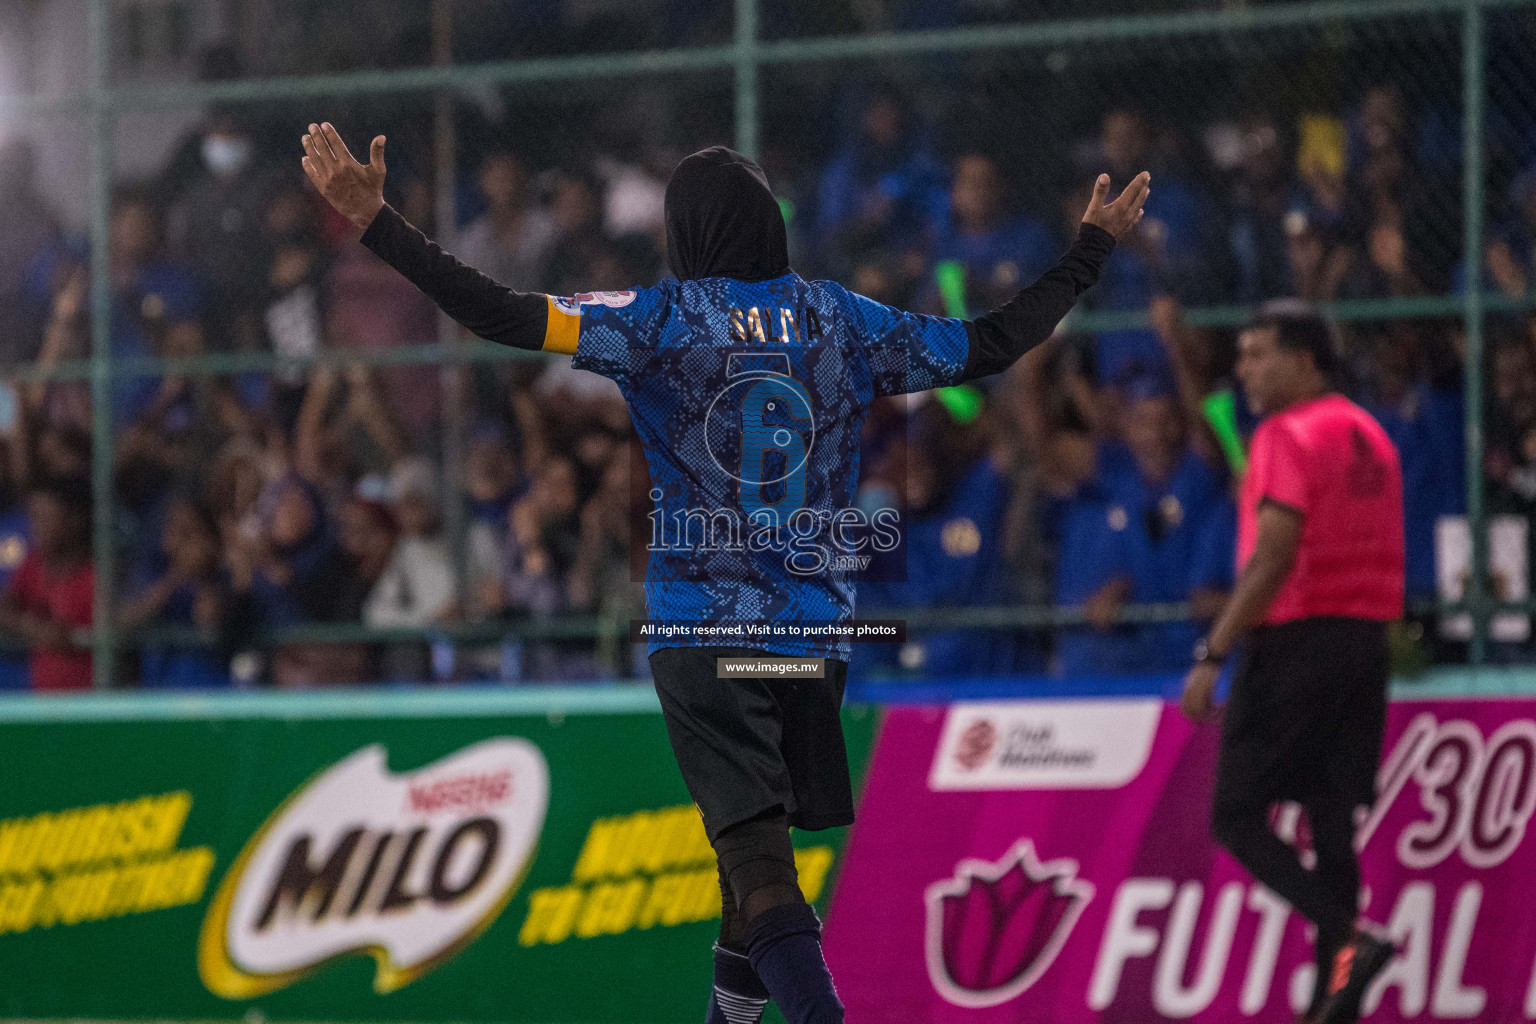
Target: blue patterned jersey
x=749 y=398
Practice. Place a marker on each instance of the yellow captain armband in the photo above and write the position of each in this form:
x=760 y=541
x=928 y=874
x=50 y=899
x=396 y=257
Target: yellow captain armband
x=563 y=326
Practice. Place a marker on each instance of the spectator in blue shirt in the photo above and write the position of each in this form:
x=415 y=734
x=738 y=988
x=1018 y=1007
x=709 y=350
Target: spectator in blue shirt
x=15 y=540
x=1510 y=257
x=181 y=585
x=1000 y=251
x=1425 y=423
x=881 y=190
x=290 y=572
x=956 y=501
x=1162 y=255
x=1136 y=527
x=28 y=229
x=1263 y=197
x=1093 y=566
x=1168 y=493
x=156 y=308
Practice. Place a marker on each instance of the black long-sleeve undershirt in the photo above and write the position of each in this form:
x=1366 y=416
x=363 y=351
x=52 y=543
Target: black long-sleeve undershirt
x=491 y=310
x=1030 y=317
x=500 y=314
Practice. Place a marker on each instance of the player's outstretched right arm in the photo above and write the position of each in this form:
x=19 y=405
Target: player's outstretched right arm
x=491 y=310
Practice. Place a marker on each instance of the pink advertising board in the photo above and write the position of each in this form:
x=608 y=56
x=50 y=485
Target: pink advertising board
x=1050 y=862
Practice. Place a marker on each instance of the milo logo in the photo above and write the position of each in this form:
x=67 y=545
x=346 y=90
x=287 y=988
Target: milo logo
x=408 y=868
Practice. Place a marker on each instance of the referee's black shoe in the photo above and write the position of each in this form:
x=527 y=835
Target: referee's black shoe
x=1362 y=958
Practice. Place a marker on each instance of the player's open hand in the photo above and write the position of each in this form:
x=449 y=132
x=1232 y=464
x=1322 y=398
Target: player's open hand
x=356 y=190
x=1120 y=216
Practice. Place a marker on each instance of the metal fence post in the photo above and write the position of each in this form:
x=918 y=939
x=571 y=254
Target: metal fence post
x=746 y=65
x=1473 y=202
x=103 y=553
x=455 y=387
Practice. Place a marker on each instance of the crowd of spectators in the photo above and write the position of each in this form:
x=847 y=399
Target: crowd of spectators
x=1096 y=474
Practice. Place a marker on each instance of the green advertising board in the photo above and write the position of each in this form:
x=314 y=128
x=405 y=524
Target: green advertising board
x=450 y=856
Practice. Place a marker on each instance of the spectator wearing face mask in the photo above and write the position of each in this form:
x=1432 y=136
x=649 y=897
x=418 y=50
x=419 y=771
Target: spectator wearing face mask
x=217 y=226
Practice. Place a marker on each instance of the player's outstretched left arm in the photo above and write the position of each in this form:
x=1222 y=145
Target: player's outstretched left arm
x=491 y=310
x=1030 y=317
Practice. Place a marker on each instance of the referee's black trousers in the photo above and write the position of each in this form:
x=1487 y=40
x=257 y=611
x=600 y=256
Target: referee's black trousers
x=1304 y=722
x=1326 y=895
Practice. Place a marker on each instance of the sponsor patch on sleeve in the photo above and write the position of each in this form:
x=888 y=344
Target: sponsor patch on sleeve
x=613 y=300
x=563 y=326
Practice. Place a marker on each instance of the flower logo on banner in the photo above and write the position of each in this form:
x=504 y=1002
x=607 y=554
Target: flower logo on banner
x=995 y=928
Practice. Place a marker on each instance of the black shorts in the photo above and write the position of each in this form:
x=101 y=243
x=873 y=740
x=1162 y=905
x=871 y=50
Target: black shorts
x=1306 y=715
x=746 y=746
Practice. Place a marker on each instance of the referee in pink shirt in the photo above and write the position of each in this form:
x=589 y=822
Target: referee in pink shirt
x=1320 y=557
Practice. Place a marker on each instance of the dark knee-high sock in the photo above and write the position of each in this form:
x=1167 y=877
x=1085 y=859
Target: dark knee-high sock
x=738 y=997
x=784 y=945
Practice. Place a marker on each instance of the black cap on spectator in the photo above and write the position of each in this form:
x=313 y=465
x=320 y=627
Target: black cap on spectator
x=1299 y=327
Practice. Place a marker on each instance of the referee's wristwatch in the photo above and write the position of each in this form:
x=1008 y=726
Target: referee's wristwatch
x=1205 y=656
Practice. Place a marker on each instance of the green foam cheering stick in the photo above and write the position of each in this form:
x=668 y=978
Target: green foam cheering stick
x=1220 y=410
x=949 y=275
x=963 y=402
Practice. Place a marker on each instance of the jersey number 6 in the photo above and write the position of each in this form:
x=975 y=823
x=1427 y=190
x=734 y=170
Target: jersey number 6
x=775 y=422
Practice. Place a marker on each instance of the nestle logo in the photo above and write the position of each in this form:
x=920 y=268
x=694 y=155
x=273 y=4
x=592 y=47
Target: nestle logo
x=995 y=928
x=463 y=792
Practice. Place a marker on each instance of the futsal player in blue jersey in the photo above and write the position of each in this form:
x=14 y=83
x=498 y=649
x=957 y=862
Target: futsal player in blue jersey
x=747 y=386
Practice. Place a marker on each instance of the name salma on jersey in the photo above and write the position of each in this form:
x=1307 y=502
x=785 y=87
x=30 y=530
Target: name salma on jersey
x=779 y=324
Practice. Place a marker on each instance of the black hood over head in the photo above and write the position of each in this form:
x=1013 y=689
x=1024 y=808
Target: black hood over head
x=722 y=219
